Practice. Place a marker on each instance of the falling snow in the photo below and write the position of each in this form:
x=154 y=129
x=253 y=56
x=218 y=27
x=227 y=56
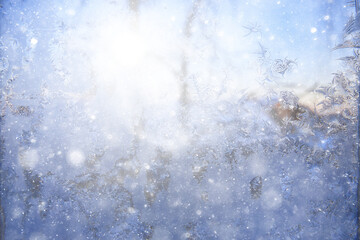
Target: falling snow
x=124 y=119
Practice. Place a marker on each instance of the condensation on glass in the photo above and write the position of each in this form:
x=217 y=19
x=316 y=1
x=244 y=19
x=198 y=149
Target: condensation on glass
x=155 y=119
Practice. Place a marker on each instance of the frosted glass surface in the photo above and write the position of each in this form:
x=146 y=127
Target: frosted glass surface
x=155 y=119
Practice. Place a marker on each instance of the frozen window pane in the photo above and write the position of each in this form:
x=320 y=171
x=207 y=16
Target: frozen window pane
x=204 y=119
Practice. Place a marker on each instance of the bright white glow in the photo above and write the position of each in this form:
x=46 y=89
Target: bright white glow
x=118 y=47
x=33 y=41
x=133 y=68
x=75 y=158
x=313 y=30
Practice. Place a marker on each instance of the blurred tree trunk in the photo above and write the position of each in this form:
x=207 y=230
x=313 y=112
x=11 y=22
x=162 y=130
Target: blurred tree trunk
x=134 y=5
x=184 y=95
x=2 y=214
x=357 y=9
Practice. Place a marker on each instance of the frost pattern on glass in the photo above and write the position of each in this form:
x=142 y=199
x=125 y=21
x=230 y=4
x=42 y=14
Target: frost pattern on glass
x=179 y=119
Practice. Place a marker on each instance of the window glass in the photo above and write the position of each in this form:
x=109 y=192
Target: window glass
x=155 y=119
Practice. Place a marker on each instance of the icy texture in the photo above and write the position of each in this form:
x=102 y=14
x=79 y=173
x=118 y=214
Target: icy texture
x=178 y=119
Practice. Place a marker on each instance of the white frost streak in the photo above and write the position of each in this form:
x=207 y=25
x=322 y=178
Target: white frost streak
x=28 y=158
